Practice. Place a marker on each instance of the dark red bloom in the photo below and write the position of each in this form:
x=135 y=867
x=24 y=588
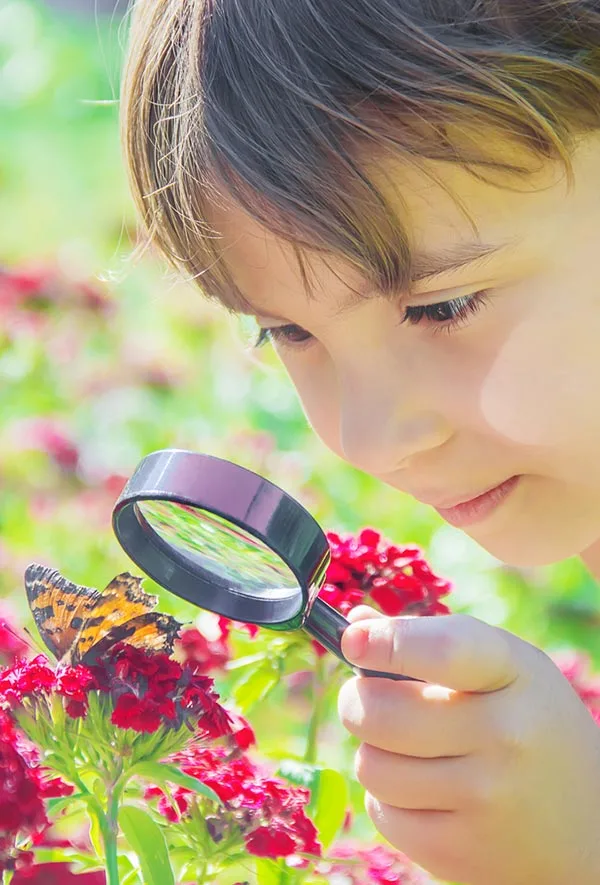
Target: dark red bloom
x=21 y=805
x=74 y=684
x=268 y=813
x=26 y=679
x=268 y=842
x=150 y=690
x=366 y=569
x=139 y=714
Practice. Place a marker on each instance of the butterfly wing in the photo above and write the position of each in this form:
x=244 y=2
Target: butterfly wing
x=59 y=607
x=153 y=631
x=79 y=624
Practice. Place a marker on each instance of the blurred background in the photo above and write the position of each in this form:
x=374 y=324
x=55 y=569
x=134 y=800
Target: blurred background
x=102 y=361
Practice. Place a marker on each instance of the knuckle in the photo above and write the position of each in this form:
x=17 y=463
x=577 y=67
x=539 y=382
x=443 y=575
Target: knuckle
x=365 y=766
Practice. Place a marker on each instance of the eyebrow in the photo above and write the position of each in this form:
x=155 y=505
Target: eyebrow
x=427 y=267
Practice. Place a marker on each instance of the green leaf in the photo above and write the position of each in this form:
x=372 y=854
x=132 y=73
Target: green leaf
x=255 y=687
x=57 y=804
x=328 y=804
x=162 y=773
x=96 y=834
x=148 y=841
x=300 y=773
x=268 y=872
x=329 y=796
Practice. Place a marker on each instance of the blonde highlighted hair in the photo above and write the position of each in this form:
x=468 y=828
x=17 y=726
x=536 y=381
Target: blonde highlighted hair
x=275 y=102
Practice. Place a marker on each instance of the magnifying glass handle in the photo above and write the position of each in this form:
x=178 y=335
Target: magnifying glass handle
x=327 y=625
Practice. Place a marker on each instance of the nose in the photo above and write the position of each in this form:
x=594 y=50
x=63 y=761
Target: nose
x=385 y=423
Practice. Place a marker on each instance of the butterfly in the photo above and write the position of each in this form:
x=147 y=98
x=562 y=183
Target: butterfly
x=80 y=624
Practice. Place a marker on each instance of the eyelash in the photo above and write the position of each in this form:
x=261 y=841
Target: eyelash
x=459 y=309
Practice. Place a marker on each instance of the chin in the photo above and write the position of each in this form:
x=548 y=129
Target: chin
x=533 y=549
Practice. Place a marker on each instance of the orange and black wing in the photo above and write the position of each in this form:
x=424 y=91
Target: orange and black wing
x=59 y=607
x=152 y=631
x=122 y=601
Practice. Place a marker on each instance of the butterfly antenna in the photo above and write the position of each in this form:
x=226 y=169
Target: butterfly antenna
x=35 y=644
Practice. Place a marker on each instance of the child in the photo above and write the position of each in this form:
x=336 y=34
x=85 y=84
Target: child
x=406 y=195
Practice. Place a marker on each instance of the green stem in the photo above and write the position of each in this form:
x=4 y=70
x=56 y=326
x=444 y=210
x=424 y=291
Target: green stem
x=312 y=742
x=108 y=828
x=112 y=827
x=7 y=877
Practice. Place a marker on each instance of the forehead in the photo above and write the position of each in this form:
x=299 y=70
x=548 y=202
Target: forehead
x=440 y=205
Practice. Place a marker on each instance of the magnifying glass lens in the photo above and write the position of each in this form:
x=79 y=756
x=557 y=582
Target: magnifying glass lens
x=217 y=546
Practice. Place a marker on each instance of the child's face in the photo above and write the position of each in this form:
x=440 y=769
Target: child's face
x=445 y=413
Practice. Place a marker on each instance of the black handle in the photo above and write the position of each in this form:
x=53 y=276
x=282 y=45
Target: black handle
x=327 y=625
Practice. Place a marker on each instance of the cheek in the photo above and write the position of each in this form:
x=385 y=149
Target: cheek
x=541 y=387
x=318 y=392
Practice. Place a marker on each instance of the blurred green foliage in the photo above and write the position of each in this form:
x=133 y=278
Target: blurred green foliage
x=152 y=365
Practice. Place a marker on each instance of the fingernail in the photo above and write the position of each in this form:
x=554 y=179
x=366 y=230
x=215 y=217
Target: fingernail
x=354 y=641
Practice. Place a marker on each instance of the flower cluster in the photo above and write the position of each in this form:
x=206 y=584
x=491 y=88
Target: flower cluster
x=366 y=569
x=146 y=690
x=36 y=679
x=379 y=865
x=150 y=689
x=24 y=786
x=263 y=812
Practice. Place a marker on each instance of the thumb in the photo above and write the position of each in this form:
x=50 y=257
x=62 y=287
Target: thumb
x=362 y=612
x=456 y=651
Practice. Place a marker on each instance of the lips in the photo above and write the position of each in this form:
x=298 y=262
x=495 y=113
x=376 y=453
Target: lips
x=482 y=506
x=458 y=500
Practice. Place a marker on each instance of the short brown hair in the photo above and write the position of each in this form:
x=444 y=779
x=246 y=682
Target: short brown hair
x=272 y=101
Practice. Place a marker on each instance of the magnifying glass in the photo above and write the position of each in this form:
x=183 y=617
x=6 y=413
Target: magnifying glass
x=227 y=540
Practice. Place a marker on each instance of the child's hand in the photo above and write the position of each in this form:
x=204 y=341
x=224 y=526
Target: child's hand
x=494 y=783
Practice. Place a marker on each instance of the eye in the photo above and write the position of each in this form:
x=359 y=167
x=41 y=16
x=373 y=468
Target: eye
x=290 y=334
x=447 y=315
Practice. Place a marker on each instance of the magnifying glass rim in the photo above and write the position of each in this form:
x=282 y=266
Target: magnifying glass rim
x=146 y=536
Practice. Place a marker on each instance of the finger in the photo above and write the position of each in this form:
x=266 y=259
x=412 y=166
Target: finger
x=458 y=651
x=400 y=718
x=435 y=840
x=361 y=612
x=417 y=784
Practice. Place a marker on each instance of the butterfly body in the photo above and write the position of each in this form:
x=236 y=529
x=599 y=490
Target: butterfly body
x=79 y=624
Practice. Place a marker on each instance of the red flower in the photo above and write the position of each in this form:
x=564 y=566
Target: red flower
x=36 y=679
x=150 y=690
x=242 y=732
x=74 y=683
x=267 y=842
x=21 y=804
x=143 y=714
x=26 y=679
x=267 y=812
x=367 y=569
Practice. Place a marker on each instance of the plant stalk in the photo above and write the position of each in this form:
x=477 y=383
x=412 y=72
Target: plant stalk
x=109 y=827
x=312 y=742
